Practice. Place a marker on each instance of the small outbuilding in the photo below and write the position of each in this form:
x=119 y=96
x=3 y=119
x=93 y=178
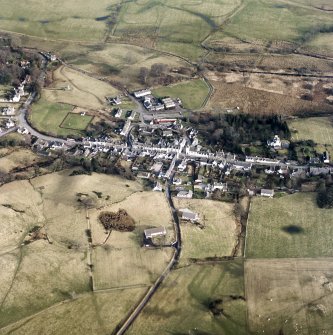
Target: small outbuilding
x=267 y=193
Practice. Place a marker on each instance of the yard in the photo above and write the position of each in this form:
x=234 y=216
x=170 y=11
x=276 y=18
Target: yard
x=289 y=226
x=182 y=305
x=76 y=121
x=218 y=236
x=289 y=296
x=192 y=93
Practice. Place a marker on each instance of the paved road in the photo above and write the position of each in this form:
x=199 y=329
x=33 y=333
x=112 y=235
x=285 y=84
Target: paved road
x=177 y=245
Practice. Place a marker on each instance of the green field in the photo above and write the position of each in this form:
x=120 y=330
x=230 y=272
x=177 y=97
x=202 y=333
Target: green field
x=289 y=226
x=47 y=117
x=76 y=121
x=181 y=305
x=192 y=93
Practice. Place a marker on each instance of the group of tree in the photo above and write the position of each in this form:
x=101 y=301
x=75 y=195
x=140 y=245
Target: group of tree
x=229 y=131
x=325 y=196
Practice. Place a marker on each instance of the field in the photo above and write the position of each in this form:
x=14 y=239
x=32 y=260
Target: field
x=16 y=158
x=84 y=91
x=289 y=226
x=76 y=121
x=217 y=238
x=289 y=296
x=91 y=313
x=47 y=117
x=122 y=261
x=317 y=129
x=72 y=20
x=192 y=93
x=49 y=270
x=181 y=305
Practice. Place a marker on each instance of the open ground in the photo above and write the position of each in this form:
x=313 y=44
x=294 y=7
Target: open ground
x=288 y=226
x=288 y=296
x=182 y=305
x=123 y=261
x=218 y=234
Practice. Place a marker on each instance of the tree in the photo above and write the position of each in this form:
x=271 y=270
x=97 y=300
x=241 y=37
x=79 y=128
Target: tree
x=143 y=75
x=325 y=197
x=158 y=69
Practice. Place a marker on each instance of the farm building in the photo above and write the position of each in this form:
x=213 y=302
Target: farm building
x=168 y=103
x=267 y=193
x=141 y=93
x=154 y=232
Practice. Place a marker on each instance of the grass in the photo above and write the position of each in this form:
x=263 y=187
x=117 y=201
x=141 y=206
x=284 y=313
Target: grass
x=40 y=274
x=84 y=91
x=180 y=306
x=47 y=117
x=275 y=20
x=72 y=20
x=287 y=296
x=76 y=121
x=122 y=260
x=192 y=93
x=290 y=226
x=217 y=238
x=91 y=313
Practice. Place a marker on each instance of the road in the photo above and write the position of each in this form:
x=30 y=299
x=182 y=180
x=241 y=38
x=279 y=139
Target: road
x=174 y=260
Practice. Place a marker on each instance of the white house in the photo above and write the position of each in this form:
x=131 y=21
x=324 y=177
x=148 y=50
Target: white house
x=267 y=193
x=142 y=93
x=185 y=194
x=188 y=215
x=275 y=143
x=154 y=232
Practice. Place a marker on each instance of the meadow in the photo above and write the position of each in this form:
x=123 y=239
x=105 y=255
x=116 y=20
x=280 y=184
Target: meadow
x=288 y=226
x=218 y=235
x=288 y=296
x=181 y=305
x=76 y=121
x=192 y=93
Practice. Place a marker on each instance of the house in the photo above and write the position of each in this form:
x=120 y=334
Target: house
x=132 y=116
x=242 y=166
x=185 y=194
x=158 y=187
x=144 y=175
x=167 y=133
x=116 y=101
x=158 y=107
x=141 y=93
x=326 y=157
x=275 y=143
x=10 y=123
x=220 y=186
x=154 y=232
x=267 y=193
x=188 y=215
x=118 y=113
x=8 y=111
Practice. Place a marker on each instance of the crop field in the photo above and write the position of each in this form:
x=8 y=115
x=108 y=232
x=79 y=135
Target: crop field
x=76 y=121
x=123 y=261
x=47 y=117
x=46 y=271
x=181 y=305
x=91 y=313
x=289 y=226
x=217 y=238
x=84 y=91
x=289 y=296
x=192 y=93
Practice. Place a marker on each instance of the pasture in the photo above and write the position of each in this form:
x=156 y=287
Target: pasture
x=289 y=296
x=289 y=226
x=182 y=304
x=16 y=159
x=74 y=88
x=47 y=271
x=90 y=313
x=192 y=93
x=122 y=261
x=76 y=121
x=47 y=117
x=218 y=235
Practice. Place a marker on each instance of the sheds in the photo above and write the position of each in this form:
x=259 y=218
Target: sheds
x=168 y=103
x=267 y=193
x=141 y=93
x=154 y=232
